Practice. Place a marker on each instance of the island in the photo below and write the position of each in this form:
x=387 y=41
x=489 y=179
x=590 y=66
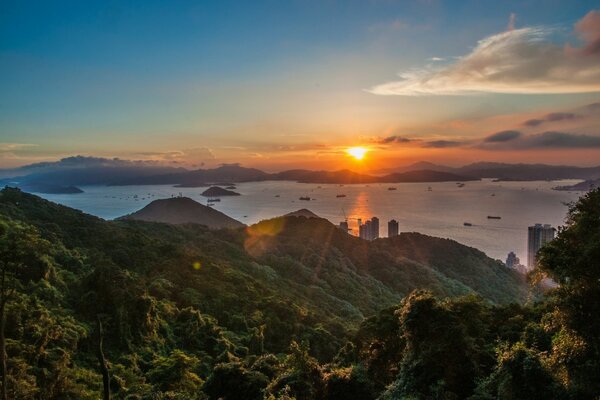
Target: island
x=216 y=191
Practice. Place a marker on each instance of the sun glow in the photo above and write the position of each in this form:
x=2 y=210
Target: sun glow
x=357 y=152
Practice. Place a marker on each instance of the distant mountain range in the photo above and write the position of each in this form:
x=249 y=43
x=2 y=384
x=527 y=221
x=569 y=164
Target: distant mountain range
x=64 y=176
x=581 y=186
x=183 y=210
x=509 y=172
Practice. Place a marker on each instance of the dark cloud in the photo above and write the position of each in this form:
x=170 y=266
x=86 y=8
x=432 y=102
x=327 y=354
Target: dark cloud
x=593 y=107
x=588 y=30
x=501 y=137
x=533 y=122
x=394 y=139
x=560 y=140
x=552 y=117
x=514 y=140
x=442 y=144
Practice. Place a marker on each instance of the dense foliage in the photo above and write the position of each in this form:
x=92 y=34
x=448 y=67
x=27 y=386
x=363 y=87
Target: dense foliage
x=288 y=309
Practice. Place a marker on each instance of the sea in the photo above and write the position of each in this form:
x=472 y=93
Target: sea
x=436 y=209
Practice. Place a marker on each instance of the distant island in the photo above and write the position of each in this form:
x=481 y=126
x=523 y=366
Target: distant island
x=79 y=171
x=581 y=186
x=183 y=210
x=216 y=191
x=48 y=188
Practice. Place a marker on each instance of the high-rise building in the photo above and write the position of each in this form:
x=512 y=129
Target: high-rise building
x=369 y=230
x=374 y=231
x=392 y=228
x=364 y=230
x=344 y=226
x=512 y=260
x=538 y=235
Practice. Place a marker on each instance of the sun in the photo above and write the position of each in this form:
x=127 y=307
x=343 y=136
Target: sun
x=357 y=152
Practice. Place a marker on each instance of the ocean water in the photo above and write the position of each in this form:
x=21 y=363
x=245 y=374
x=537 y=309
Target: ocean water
x=437 y=209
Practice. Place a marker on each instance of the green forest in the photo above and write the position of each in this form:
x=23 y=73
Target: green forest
x=290 y=308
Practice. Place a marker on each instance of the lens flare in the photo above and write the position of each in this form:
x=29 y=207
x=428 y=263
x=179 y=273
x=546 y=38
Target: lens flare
x=357 y=152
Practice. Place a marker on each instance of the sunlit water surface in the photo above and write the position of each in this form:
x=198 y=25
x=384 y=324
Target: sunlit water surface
x=437 y=209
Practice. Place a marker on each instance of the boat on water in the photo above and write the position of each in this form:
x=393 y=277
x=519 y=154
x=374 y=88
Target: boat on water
x=276 y=195
x=467 y=224
x=391 y=188
x=213 y=200
x=306 y=198
x=340 y=195
x=460 y=185
x=494 y=217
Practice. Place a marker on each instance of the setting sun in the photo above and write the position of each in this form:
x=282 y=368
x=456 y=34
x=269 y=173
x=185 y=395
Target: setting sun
x=357 y=152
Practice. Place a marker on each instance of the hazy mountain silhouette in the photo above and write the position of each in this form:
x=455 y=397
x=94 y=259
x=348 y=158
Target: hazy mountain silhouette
x=183 y=210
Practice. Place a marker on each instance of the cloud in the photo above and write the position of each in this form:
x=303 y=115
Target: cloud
x=552 y=117
x=588 y=29
x=10 y=147
x=442 y=144
x=521 y=60
x=394 y=139
x=11 y=152
x=561 y=140
x=515 y=140
x=193 y=155
x=501 y=137
x=511 y=22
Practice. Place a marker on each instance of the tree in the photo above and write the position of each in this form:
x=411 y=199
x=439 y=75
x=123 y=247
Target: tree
x=443 y=356
x=520 y=374
x=103 y=363
x=573 y=260
x=232 y=381
x=22 y=258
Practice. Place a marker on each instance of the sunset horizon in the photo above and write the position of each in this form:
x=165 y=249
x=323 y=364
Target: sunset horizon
x=508 y=83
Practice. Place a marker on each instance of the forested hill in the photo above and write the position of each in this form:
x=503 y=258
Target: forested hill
x=211 y=295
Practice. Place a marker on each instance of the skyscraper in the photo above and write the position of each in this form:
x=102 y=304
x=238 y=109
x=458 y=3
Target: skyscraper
x=538 y=235
x=364 y=231
x=374 y=233
x=369 y=230
x=344 y=226
x=392 y=228
x=512 y=260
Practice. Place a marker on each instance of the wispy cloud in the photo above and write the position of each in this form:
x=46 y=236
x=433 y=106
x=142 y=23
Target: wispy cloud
x=552 y=117
x=10 y=147
x=442 y=144
x=503 y=136
x=515 y=140
x=393 y=139
x=516 y=61
x=198 y=154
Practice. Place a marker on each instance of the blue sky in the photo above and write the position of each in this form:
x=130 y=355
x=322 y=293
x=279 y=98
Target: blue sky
x=264 y=83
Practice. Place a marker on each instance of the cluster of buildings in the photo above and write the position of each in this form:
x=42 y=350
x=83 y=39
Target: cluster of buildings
x=537 y=236
x=369 y=230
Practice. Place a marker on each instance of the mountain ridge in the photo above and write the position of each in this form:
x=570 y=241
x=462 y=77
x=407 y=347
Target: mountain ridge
x=182 y=210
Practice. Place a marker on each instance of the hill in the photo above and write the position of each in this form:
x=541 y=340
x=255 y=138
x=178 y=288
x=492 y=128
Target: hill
x=181 y=302
x=505 y=171
x=215 y=191
x=303 y=212
x=183 y=210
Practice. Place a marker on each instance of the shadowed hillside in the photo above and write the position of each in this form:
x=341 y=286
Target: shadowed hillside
x=183 y=210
